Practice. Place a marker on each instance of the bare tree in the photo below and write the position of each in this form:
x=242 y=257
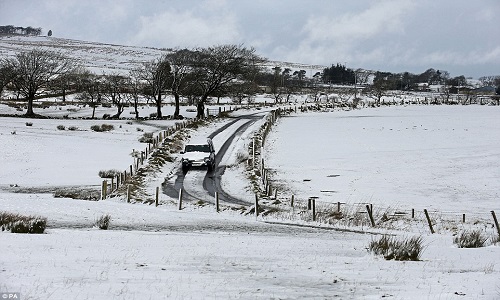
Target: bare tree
x=35 y=70
x=181 y=64
x=154 y=75
x=134 y=91
x=276 y=85
x=361 y=79
x=381 y=84
x=220 y=66
x=90 y=88
x=240 y=91
x=6 y=75
x=114 y=91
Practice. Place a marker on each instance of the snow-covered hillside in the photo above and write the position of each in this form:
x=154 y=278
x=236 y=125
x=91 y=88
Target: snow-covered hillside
x=97 y=57
x=107 y=58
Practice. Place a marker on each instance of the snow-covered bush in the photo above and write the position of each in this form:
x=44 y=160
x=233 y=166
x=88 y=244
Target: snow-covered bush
x=17 y=223
x=103 y=222
x=470 y=239
x=391 y=248
x=102 y=127
x=108 y=173
x=147 y=137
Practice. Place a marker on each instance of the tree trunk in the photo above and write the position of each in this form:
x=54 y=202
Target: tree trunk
x=120 y=110
x=200 y=108
x=30 y=112
x=136 y=108
x=159 y=115
x=177 y=104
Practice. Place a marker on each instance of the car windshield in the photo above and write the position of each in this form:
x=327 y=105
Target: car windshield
x=197 y=148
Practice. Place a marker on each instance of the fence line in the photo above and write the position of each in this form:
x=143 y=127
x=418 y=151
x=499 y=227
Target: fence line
x=265 y=185
x=140 y=157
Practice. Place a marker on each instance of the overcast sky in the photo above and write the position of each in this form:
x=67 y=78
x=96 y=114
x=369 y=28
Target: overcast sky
x=459 y=36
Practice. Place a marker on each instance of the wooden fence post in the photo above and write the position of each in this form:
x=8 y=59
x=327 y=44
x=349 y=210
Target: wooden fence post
x=157 y=196
x=338 y=206
x=429 y=220
x=370 y=214
x=256 y=205
x=413 y=213
x=253 y=153
x=313 y=203
x=291 y=201
x=216 y=201
x=128 y=193
x=104 y=189
x=496 y=222
x=463 y=218
x=180 y=199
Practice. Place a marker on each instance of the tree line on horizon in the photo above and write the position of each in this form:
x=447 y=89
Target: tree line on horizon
x=11 y=29
x=201 y=73
x=195 y=74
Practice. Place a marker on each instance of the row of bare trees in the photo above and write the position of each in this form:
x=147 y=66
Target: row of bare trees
x=197 y=74
x=193 y=74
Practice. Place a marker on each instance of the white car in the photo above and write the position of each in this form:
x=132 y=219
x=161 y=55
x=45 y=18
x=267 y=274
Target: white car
x=198 y=154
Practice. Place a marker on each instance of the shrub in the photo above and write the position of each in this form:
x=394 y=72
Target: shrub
x=103 y=222
x=153 y=115
x=146 y=137
x=17 y=223
x=108 y=173
x=391 y=248
x=73 y=128
x=470 y=239
x=61 y=127
x=107 y=127
x=102 y=127
x=29 y=124
x=80 y=194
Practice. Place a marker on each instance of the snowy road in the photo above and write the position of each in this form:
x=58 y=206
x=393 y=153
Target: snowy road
x=200 y=185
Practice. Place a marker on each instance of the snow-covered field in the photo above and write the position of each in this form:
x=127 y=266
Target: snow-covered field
x=443 y=158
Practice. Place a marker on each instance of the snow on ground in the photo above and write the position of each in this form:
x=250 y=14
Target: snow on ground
x=43 y=155
x=203 y=255
x=444 y=158
x=162 y=253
